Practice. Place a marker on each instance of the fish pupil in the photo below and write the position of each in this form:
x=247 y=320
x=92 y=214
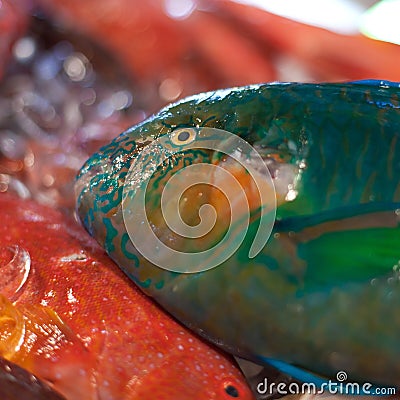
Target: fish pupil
x=183 y=136
x=232 y=391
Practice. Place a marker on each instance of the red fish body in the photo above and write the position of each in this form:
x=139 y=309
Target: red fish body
x=102 y=338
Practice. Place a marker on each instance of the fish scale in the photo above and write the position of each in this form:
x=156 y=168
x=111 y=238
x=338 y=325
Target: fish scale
x=323 y=293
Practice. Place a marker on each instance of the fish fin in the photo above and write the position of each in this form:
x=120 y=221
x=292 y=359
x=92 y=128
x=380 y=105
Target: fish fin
x=296 y=373
x=377 y=82
x=350 y=255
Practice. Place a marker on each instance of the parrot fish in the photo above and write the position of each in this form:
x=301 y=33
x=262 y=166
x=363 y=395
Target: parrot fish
x=311 y=281
x=74 y=320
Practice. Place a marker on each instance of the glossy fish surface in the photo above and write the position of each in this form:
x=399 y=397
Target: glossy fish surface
x=323 y=292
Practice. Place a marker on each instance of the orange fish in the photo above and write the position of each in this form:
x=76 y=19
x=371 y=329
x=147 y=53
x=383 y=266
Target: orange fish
x=69 y=316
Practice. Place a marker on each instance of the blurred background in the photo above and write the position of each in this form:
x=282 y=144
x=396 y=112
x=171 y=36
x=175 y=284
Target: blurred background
x=74 y=74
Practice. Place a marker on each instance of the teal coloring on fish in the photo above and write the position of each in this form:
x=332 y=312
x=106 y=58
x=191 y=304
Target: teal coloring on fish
x=111 y=234
x=323 y=294
x=127 y=253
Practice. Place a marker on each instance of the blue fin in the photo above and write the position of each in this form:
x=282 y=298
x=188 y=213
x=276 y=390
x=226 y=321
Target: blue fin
x=377 y=82
x=295 y=372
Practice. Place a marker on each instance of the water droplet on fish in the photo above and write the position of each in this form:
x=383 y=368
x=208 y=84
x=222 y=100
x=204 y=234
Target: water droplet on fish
x=291 y=195
x=15 y=266
x=75 y=257
x=390 y=295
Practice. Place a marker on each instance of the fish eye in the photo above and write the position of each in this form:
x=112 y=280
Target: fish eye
x=183 y=136
x=231 y=391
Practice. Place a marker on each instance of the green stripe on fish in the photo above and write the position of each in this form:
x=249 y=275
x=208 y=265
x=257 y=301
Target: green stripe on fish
x=324 y=292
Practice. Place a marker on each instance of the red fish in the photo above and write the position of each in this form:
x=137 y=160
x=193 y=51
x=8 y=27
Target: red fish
x=166 y=48
x=72 y=318
x=171 y=49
